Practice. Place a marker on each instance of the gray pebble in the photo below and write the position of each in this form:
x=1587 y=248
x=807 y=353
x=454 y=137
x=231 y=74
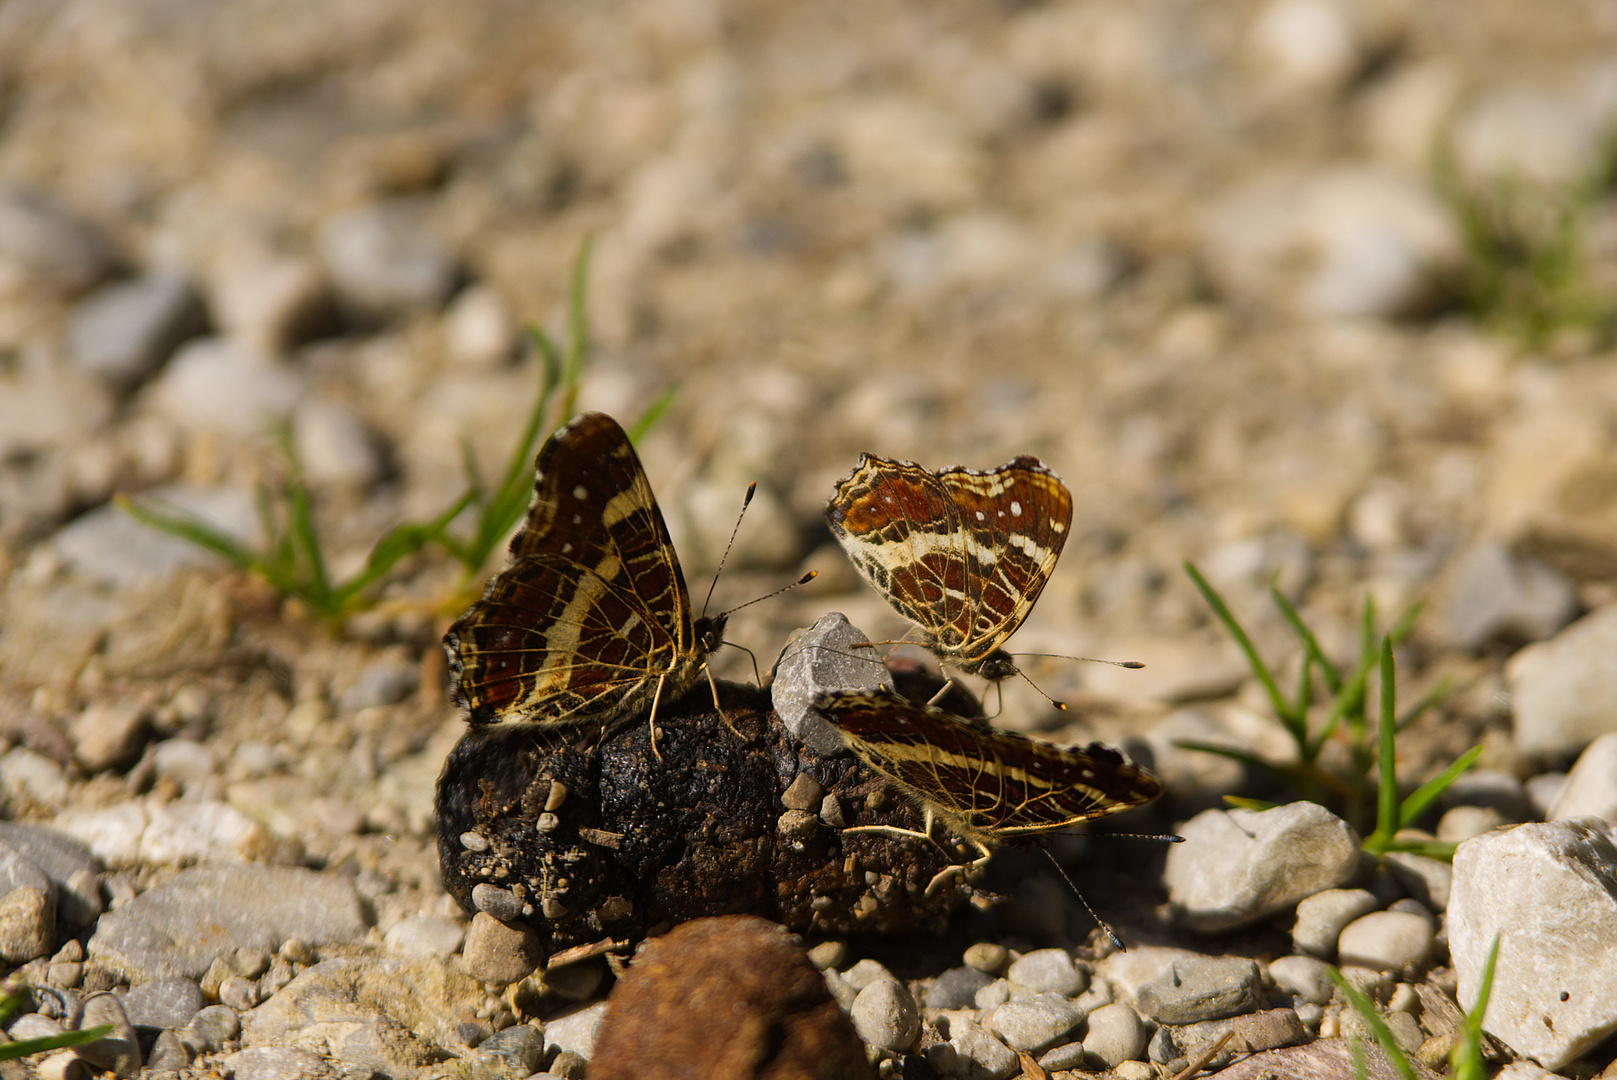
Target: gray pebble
x=1064 y=1057
x=1493 y=594
x=168 y=1053
x=943 y=1058
x=993 y=995
x=840 y=989
x=501 y=903
x=1591 y=786
x=1387 y=941
x=990 y=1059
x=576 y=1030
x=211 y=1028
x=1048 y=970
x=1163 y=1047
x=1543 y=792
x=384 y=681
x=1238 y=866
x=33 y=1026
x=334 y=445
x=119 y=1050
x=521 y=1044
x=276 y=1063
x=1034 y=1024
x=239 y=993
x=43 y=244
x=186 y=762
x=220 y=386
x=124 y=331
x=250 y=961
x=1562 y=689
x=71 y=867
x=383 y=261
x=955 y=989
x=885 y=1016
x=1463 y=822
x=1321 y=917
x=108 y=546
x=1201 y=989
x=163 y=1003
x=425 y=935
x=154 y=935
x=1303 y=977
x=1425 y=879
x=832 y=654
x=1116 y=1034
x=866 y=972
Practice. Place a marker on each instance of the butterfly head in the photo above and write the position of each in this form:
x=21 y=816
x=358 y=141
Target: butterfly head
x=994 y=667
x=709 y=632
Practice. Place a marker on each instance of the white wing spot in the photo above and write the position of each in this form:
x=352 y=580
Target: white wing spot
x=577 y=520
x=981 y=516
x=581 y=492
x=567 y=549
x=1016 y=508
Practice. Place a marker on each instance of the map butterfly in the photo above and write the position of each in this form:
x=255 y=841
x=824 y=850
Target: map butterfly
x=986 y=784
x=961 y=553
x=591 y=619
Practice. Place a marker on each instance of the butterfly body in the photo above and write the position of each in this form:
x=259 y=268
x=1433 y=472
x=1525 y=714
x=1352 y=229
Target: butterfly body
x=591 y=619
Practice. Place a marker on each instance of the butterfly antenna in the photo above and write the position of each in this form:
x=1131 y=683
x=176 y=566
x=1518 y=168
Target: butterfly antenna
x=752 y=489
x=804 y=580
x=1100 y=922
x=1062 y=705
x=1086 y=659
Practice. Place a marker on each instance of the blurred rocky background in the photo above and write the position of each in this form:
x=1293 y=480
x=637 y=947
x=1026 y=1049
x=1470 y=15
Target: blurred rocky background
x=1308 y=292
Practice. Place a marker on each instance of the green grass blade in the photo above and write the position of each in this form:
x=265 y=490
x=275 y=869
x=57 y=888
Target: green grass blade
x=1241 y=802
x=1405 y=624
x=1387 y=822
x=1441 y=850
x=190 y=529
x=1422 y=797
x=1254 y=661
x=1432 y=697
x=1465 y=1057
x=23 y=1047
x=654 y=413
x=1378 y=1027
x=1333 y=677
x=309 y=553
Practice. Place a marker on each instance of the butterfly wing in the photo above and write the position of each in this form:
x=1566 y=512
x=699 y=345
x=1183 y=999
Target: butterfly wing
x=592 y=608
x=902 y=531
x=1014 y=521
x=988 y=782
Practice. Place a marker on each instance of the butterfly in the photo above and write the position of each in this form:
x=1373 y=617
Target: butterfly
x=986 y=784
x=961 y=553
x=591 y=620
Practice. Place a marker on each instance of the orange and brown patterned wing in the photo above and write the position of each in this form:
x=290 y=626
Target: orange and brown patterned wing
x=1016 y=519
x=961 y=553
x=989 y=784
x=592 y=608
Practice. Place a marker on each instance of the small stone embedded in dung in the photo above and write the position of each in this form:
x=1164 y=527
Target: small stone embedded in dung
x=502 y=904
x=832 y=654
x=803 y=793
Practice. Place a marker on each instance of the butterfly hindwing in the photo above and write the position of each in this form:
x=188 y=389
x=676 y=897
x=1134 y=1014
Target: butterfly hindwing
x=592 y=610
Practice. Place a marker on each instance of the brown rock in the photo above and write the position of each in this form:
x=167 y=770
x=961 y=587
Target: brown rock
x=727 y=998
x=498 y=952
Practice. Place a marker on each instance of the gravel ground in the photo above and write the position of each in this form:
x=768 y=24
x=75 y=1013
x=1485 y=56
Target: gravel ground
x=1223 y=267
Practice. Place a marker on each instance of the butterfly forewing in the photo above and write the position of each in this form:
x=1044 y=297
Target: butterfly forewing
x=592 y=610
x=961 y=553
x=989 y=783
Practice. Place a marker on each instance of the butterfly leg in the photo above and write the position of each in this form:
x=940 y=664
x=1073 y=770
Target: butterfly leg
x=943 y=691
x=964 y=870
x=722 y=716
x=655 y=699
